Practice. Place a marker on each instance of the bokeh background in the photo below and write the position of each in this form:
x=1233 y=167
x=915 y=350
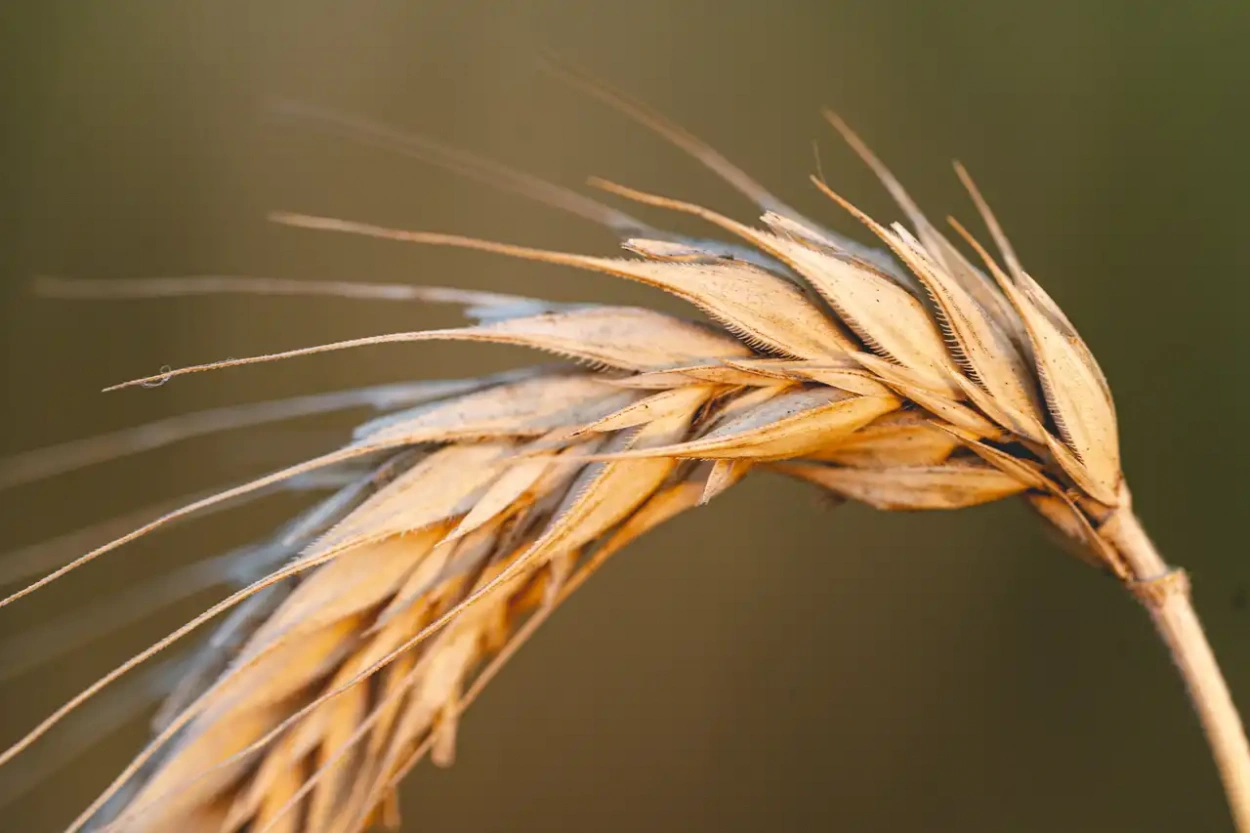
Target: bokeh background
x=760 y=663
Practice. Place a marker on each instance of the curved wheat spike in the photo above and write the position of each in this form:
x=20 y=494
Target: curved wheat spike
x=336 y=671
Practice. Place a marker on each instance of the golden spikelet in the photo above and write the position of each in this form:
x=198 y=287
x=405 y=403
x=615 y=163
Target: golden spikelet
x=909 y=380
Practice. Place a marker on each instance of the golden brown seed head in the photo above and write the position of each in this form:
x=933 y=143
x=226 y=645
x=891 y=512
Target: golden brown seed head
x=918 y=383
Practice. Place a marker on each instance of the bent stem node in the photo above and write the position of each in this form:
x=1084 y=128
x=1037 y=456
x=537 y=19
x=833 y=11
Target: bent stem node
x=1165 y=593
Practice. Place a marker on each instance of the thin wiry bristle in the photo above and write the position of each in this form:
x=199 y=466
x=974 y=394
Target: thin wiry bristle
x=351 y=647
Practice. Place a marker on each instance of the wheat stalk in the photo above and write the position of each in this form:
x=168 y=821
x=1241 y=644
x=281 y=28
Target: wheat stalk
x=909 y=380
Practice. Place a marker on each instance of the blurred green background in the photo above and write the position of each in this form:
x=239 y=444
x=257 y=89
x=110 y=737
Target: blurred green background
x=762 y=662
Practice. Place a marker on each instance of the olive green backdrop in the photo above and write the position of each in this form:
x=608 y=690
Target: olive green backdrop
x=762 y=663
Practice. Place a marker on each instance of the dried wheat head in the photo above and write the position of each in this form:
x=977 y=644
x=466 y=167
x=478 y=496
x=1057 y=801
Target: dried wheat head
x=907 y=378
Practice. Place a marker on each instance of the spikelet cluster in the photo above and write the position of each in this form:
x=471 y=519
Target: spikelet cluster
x=906 y=377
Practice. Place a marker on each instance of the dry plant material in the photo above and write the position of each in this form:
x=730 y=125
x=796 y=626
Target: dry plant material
x=467 y=512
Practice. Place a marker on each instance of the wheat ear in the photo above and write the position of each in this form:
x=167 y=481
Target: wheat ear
x=908 y=379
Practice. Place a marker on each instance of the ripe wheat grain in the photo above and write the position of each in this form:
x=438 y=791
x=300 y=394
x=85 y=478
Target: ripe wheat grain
x=907 y=378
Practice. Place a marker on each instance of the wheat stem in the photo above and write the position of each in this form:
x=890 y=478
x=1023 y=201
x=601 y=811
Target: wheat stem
x=1164 y=592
